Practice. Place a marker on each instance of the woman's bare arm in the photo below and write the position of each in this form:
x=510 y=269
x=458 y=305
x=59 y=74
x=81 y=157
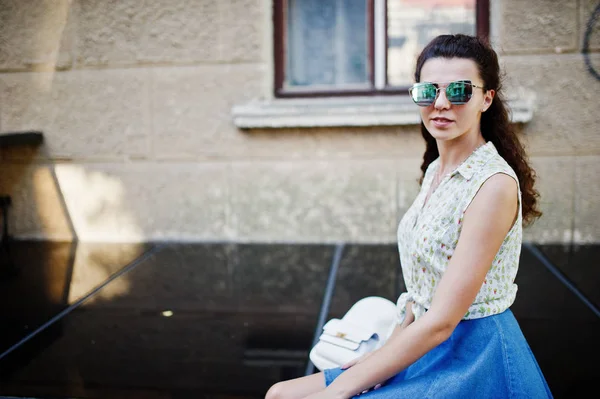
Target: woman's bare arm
x=485 y=225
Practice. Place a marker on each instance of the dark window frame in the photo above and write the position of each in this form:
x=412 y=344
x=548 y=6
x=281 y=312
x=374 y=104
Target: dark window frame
x=482 y=27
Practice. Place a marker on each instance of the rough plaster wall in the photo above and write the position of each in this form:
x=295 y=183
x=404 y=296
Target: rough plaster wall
x=134 y=98
x=540 y=43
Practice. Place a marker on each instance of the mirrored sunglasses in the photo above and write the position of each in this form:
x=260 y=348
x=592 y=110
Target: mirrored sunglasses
x=457 y=93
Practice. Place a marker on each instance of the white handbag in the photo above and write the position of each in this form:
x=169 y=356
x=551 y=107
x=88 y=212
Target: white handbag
x=364 y=328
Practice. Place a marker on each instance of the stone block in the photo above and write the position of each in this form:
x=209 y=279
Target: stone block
x=241 y=30
x=586 y=9
x=314 y=201
x=380 y=142
x=557 y=185
x=191 y=109
x=83 y=114
x=565 y=114
x=126 y=32
x=537 y=25
x=587 y=200
x=35 y=35
x=146 y=202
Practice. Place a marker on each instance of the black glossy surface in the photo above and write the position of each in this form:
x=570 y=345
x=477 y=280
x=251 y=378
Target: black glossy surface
x=228 y=320
x=580 y=264
x=366 y=270
x=562 y=331
x=243 y=317
x=51 y=276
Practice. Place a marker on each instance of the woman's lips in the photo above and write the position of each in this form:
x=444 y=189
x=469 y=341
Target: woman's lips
x=441 y=122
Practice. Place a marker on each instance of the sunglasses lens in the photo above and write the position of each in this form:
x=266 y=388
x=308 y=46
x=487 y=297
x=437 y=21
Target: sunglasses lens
x=423 y=94
x=459 y=92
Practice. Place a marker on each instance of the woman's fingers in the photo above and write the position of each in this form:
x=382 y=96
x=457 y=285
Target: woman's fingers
x=371 y=389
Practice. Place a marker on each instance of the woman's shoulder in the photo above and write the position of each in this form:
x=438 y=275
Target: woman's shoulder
x=499 y=185
x=497 y=180
x=495 y=164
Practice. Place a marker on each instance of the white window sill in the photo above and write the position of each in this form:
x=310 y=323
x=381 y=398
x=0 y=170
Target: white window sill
x=346 y=111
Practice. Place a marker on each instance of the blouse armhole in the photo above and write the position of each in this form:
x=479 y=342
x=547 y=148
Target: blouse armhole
x=496 y=172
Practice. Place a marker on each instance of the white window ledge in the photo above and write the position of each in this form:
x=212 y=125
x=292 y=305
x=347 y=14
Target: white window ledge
x=346 y=111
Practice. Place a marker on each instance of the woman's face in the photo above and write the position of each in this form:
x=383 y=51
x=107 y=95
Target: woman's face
x=446 y=121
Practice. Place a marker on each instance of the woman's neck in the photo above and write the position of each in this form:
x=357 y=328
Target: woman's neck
x=454 y=152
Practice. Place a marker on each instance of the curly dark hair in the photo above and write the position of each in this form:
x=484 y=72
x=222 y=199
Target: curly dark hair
x=495 y=124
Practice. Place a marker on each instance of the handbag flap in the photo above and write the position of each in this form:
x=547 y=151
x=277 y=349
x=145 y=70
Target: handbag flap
x=345 y=331
x=341 y=342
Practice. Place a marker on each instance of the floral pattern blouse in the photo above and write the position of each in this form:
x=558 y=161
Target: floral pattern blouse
x=428 y=234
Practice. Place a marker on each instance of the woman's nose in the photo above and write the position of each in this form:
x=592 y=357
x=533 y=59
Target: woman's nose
x=441 y=102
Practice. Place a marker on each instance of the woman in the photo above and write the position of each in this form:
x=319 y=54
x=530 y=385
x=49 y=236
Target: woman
x=459 y=244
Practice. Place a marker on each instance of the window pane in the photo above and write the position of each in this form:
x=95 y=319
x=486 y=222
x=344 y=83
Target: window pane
x=413 y=23
x=327 y=44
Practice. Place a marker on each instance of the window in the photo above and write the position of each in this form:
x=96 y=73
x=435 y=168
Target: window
x=361 y=47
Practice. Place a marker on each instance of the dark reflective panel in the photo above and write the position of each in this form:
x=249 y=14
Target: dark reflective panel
x=561 y=330
x=282 y=278
x=580 y=264
x=366 y=270
x=119 y=353
x=37 y=292
x=284 y=286
x=191 y=320
x=51 y=276
x=182 y=277
x=227 y=321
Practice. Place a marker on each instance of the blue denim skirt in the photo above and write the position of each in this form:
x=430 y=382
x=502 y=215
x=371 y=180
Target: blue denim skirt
x=483 y=358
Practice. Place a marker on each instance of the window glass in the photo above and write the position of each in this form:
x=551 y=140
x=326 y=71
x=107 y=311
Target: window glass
x=413 y=23
x=327 y=44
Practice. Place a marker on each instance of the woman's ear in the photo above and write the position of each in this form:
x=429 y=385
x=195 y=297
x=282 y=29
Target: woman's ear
x=488 y=97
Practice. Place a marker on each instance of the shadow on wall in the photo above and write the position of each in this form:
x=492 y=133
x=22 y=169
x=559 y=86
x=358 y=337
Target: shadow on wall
x=31 y=291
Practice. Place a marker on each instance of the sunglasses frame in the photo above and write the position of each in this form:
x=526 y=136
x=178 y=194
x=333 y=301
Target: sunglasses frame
x=437 y=91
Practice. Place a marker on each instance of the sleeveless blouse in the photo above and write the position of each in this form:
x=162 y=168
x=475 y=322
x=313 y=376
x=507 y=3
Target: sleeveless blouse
x=428 y=235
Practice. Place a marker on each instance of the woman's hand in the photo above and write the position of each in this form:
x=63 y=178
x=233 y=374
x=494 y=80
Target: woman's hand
x=327 y=394
x=324 y=394
x=357 y=361
x=408 y=319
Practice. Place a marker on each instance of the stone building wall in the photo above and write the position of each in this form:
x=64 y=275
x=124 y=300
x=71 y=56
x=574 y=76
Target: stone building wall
x=135 y=100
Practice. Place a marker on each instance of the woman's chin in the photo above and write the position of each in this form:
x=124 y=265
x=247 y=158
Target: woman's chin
x=442 y=134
